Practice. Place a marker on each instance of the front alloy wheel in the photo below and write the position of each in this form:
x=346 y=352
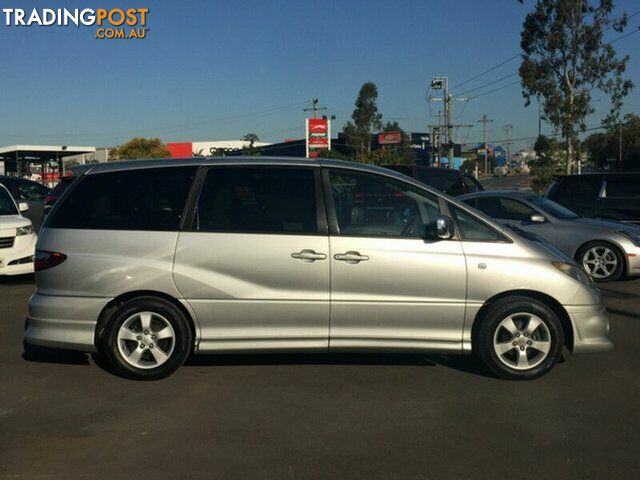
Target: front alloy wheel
x=602 y=261
x=520 y=338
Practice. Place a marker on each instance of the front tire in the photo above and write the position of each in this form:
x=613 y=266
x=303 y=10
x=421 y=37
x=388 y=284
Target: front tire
x=147 y=338
x=520 y=338
x=603 y=261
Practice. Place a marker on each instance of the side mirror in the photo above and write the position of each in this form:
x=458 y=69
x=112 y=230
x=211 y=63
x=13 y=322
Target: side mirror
x=537 y=218
x=23 y=206
x=444 y=227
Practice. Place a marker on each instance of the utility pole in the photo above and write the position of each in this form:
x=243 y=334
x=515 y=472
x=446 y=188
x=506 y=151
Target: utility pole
x=314 y=108
x=620 y=146
x=507 y=129
x=484 y=122
x=442 y=83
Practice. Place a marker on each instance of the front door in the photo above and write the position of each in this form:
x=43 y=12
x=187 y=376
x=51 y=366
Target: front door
x=254 y=266
x=393 y=283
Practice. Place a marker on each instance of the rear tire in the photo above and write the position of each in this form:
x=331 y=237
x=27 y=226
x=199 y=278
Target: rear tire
x=146 y=338
x=602 y=260
x=520 y=338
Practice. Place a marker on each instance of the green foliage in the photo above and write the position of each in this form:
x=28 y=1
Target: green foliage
x=545 y=166
x=565 y=58
x=140 y=148
x=251 y=150
x=334 y=154
x=606 y=145
x=366 y=120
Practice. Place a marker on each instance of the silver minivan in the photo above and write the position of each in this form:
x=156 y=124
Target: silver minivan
x=146 y=262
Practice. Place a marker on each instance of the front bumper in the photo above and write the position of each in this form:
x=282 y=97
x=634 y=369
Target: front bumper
x=590 y=328
x=23 y=248
x=63 y=322
x=633 y=261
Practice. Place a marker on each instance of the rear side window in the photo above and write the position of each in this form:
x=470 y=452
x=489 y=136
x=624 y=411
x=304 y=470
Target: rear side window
x=145 y=199
x=578 y=188
x=258 y=200
x=623 y=186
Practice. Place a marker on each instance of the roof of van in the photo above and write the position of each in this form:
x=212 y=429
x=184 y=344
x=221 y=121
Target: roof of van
x=196 y=161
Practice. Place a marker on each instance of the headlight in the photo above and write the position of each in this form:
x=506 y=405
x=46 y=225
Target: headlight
x=574 y=272
x=631 y=236
x=28 y=230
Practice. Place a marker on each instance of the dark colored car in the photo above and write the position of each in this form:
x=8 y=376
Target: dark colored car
x=56 y=193
x=449 y=181
x=32 y=193
x=608 y=195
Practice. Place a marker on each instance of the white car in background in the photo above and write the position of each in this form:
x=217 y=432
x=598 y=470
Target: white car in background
x=17 y=238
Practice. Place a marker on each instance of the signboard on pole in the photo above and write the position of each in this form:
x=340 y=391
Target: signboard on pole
x=389 y=138
x=318 y=135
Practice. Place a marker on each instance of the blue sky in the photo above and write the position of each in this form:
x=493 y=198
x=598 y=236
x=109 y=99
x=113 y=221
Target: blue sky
x=213 y=70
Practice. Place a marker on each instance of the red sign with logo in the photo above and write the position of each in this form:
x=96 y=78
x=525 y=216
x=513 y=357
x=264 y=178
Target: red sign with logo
x=390 y=138
x=318 y=136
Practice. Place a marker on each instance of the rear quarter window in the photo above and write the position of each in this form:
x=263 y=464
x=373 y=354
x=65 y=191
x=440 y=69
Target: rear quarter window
x=577 y=188
x=144 y=199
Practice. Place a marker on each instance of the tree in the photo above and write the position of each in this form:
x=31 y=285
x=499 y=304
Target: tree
x=366 y=120
x=545 y=166
x=251 y=150
x=395 y=154
x=565 y=58
x=603 y=146
x=138 y=148
x=251 y=137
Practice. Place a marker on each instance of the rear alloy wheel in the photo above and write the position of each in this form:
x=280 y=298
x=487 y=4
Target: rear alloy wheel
x=519 y=338
x=147 y=338
x=602 y=261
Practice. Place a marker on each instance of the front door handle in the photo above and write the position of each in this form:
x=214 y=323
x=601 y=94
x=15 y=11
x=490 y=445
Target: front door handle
x=308 y=256
x=351 y=257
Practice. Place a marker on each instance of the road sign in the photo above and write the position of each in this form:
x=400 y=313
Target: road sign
x=318 y=135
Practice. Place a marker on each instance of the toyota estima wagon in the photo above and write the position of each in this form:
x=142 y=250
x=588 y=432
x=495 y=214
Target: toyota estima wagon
x=148 y=261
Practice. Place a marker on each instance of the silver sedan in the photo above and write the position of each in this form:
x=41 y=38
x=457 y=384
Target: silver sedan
x=607 y=250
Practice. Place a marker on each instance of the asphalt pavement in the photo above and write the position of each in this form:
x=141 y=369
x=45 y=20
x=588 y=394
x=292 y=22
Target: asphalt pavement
x=514 y=181
x=320 y=416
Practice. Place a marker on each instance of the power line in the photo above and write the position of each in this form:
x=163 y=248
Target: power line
x=489 y=84
x=495 y=90
x=487 y=71
x=625 y=35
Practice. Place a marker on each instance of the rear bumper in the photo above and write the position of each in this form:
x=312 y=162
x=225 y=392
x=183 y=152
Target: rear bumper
x=590 y=328
x=63 y=322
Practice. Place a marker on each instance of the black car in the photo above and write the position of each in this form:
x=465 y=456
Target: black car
x=449 y=181
x=33 y=193
x=609 y=195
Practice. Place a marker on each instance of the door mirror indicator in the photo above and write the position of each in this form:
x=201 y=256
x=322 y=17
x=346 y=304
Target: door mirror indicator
x=537 y=218
x=444 y=227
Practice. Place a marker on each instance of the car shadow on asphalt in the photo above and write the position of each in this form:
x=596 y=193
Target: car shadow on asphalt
x=33 y=353
x=26 y=279
x=466 y=364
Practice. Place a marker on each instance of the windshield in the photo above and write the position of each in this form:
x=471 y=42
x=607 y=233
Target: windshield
x=552 y=208
x=7 y=206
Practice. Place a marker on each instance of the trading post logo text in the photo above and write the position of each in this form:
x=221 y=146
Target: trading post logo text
x=115 y=23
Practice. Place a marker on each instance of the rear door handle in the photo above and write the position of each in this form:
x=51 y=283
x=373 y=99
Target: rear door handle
x=308 y=256
x=351 y=257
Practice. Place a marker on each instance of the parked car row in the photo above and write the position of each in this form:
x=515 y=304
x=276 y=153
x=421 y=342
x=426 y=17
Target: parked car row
x=147 y=262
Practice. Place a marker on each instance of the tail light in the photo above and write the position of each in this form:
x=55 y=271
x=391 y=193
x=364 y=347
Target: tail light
x=44 y=259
